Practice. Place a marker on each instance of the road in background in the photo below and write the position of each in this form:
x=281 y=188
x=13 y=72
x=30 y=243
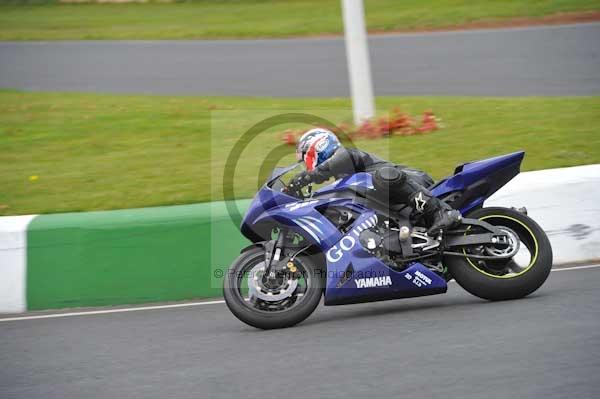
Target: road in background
x=554 y=60
x=445 y=346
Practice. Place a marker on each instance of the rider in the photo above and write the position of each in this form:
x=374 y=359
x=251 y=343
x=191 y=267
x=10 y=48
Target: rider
x=325 y=157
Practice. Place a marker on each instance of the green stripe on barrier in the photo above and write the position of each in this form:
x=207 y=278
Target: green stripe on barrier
x=130 y=256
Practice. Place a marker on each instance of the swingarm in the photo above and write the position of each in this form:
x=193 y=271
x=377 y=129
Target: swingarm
x=475 y=232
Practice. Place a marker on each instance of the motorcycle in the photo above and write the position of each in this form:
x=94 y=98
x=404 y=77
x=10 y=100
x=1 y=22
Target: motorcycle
x=343 y=243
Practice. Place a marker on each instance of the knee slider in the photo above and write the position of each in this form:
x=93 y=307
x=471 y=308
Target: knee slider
x=388 y=182
x=388 y=175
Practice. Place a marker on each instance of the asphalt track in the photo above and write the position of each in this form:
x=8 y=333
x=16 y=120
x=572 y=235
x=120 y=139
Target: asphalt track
x=445 y=346
x=555 y=60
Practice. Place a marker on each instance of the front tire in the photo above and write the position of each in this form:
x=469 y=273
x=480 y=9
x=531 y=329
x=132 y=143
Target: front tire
x=505 y=279
x=285 y=311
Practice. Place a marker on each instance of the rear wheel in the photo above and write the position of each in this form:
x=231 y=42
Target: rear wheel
x=277 y=302
x=528 y=266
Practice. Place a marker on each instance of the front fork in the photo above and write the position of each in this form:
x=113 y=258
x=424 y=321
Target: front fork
x=273 y=251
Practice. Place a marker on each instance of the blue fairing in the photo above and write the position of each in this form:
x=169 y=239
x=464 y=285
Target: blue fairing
x=471 y=173
x=353 y=274
x=263 y=201
x=304 y=219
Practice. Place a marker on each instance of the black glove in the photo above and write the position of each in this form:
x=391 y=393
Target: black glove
x=302 y=179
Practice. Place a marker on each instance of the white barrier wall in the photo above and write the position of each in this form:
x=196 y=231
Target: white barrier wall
x=13 y=263
x=565 y=202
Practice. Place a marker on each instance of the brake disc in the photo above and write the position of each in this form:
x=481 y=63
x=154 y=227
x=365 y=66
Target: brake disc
x=511 y=249
x=258 y=289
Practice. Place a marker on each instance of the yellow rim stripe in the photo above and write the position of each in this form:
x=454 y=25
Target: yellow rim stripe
x=532 y=260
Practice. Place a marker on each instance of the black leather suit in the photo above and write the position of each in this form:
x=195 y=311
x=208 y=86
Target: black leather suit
x=394 y=184
x=347 y=161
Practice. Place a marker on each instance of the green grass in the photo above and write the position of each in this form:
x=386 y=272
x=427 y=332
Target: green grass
x=93 y=152
x=253 y=18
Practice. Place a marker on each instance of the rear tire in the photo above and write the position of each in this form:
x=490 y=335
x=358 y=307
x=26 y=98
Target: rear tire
x=491 y=284
x=264 y=319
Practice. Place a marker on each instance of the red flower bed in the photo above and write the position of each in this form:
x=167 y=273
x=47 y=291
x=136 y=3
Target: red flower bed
x=396 y=124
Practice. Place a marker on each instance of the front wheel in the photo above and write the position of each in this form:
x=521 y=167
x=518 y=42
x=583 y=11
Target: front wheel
x=278 y=301
x=520 y=275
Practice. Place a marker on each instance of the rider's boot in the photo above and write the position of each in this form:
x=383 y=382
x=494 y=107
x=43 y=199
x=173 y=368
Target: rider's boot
x=437 y=214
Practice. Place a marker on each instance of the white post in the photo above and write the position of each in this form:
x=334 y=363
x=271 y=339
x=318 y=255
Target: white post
x=357 y=56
